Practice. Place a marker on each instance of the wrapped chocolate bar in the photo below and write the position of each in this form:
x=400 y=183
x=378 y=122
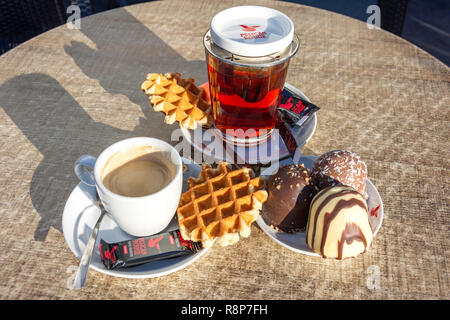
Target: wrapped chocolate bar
x=145 y=249
x=294 y=112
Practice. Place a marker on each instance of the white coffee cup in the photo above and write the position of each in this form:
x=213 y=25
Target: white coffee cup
x=138 y=216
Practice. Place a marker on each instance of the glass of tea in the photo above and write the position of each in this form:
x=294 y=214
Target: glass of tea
x=248 y=49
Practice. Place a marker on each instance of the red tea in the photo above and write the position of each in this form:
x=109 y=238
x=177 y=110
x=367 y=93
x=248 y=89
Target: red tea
x=245 y=97
x=247 y=51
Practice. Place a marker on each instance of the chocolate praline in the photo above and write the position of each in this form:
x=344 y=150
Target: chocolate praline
x=289 y=196
x=340 y=167
x=338 y=223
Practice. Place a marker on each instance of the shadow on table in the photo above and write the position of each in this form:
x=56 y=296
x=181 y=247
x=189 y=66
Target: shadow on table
x=121 y=68
x=60 y=128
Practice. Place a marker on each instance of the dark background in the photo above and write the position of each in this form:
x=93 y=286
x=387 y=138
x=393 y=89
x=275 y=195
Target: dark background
x=426 y=23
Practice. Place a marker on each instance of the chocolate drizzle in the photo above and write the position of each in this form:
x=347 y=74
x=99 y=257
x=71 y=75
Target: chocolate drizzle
x=342 y=204
x=351 y=232
x=331 y=203
x=322 y=205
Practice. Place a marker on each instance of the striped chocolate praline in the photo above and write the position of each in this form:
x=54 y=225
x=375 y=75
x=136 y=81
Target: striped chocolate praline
x=338 y=223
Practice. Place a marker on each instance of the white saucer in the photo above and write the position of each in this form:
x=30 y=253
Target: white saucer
x=80 y=215
x=212 y=145
x=297 y=241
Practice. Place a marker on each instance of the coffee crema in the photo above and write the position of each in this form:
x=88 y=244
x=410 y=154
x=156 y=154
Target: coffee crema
x=138 y=171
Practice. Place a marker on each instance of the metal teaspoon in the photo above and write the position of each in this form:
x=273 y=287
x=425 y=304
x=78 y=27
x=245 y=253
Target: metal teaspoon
x=85 y=260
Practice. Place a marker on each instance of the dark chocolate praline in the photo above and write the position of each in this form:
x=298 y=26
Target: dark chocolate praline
x=289 y=196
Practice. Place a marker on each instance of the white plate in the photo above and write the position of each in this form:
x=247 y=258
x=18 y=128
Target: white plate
x=297 y=241
x=80 y=215
x=211 y=145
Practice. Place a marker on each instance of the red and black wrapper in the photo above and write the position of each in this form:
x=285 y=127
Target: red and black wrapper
x=295 y=110
x=293 y=113
x=137 y=251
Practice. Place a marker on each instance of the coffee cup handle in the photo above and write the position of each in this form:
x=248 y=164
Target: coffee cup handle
x=84 y=169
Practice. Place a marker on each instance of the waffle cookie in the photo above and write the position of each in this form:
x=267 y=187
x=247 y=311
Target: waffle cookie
x=221 y=203
x=180 y=99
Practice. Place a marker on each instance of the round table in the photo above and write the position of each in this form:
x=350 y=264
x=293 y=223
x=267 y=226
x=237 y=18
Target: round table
x=69 y=92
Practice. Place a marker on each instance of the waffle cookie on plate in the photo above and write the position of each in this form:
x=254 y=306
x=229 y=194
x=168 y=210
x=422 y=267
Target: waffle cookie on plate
x=179 y=99
x=220 y=204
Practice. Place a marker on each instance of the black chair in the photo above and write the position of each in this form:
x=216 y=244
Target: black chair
x=393 y=14
x=86 y=6
x=21 y=20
